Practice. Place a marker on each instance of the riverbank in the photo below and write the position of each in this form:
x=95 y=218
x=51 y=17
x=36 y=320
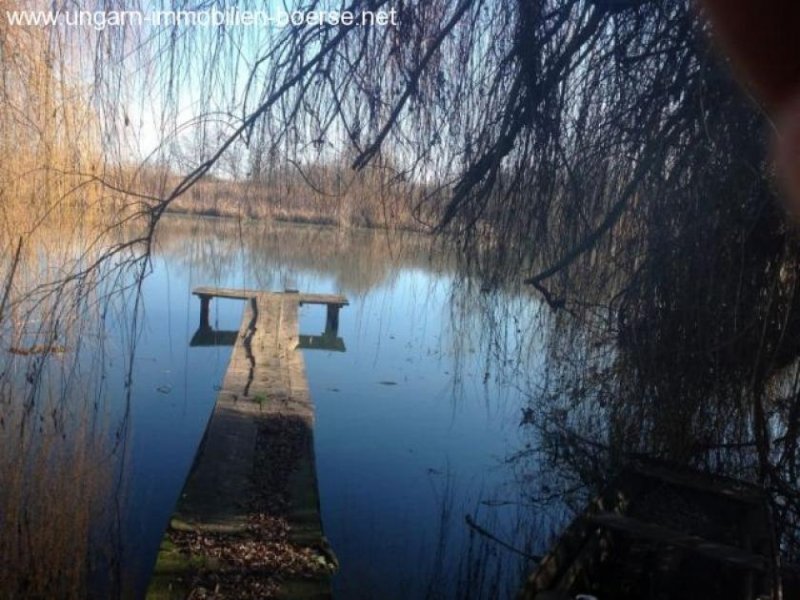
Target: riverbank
x=329 y=196
x=298 y=216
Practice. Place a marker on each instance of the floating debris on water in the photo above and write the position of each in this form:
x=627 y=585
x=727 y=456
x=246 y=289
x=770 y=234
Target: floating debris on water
x=37 y=349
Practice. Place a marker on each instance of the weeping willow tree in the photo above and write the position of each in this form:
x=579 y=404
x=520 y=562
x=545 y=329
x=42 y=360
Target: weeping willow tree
x=597 y=151
x=58 y=458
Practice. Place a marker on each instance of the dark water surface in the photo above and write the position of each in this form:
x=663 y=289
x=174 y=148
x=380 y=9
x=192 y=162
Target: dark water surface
x=413 y=422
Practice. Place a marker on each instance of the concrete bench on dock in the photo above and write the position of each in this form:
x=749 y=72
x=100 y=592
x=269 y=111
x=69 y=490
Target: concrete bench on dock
x=264 y=396
x=333 y=301
x=328 y=340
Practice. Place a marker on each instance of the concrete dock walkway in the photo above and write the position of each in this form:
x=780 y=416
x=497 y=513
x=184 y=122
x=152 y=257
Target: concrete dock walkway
x=256 y=462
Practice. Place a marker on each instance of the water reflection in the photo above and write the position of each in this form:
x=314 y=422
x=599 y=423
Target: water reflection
x=278 y=257
x=414 y=420
x=602 y=407
x=458 y=430
x=62 y=443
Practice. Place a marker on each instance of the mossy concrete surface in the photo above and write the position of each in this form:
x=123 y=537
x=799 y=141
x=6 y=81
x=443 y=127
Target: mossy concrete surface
x=253 y=484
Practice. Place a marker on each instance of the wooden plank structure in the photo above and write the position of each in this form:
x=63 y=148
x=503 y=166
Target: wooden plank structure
x=663 y=532
x=333 y=302
x=264 y=390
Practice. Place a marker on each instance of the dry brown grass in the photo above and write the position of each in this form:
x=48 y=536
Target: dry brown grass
x=56 y=467
x=316 y=195
x=54 y=204
x=56 y=476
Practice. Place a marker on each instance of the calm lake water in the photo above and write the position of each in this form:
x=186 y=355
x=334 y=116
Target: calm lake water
x=414 y=421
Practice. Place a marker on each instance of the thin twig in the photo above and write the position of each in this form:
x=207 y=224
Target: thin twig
x=10 y=280
x=489 y=535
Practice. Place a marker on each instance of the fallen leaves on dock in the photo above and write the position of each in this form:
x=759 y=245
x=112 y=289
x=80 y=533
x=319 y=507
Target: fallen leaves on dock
x=252 y=565
x=255 y=562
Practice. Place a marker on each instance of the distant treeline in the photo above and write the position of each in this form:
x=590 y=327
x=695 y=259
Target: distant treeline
x=319 y=194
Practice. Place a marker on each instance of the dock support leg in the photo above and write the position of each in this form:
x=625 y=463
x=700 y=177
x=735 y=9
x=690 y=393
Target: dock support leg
x=332 y=320
x=205 y=301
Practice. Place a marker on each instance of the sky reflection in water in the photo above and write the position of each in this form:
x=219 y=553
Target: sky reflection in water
x=412 y=424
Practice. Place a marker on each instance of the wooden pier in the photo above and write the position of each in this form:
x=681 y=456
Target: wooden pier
x=256 y=461
x=662 y=530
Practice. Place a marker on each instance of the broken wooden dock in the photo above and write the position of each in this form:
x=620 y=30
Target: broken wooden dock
x=256 y=462
x=666 y=531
